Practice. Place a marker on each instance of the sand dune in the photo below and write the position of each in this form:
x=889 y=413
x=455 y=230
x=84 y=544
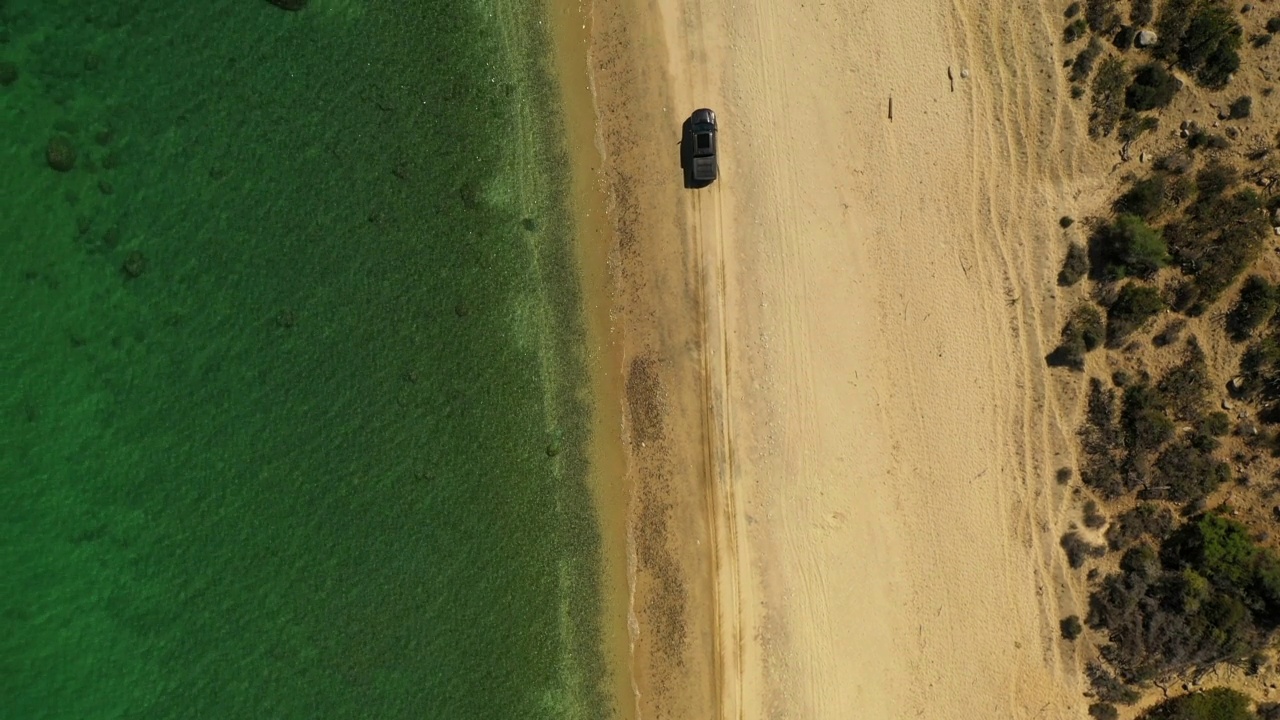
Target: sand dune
x=842 y=346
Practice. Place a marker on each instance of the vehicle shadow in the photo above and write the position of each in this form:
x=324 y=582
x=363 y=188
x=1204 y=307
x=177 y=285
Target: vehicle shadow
x=686 y=156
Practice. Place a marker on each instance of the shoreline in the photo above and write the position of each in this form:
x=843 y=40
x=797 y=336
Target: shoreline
x=658 y=314
x=594 y=237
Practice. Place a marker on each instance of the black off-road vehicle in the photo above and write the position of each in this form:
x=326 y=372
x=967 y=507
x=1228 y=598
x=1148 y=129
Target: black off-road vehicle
x=701 y=139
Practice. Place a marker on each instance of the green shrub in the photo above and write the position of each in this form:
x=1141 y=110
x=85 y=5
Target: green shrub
x=1092 y=515
x=1141 y=561
x=1135 y=305
x=1219 y=67
x=1214 y=704
x=1082 y=333
x=1072 y=10
x=1215 y=178
x=1217 y=238
x=1175 y=17
x=1215 y=547
x=1074 y=266
x=1142 y=12
x=1152 y=87
x=1209 y=48
x=1103 y=441
x=1074 y=31
x=1170 y=334
x=1107 y=687
x=1203 y=441
x=1130 y=247
x=1133 y=126
x=1203 y=600
x=1082 y=66
x=1143 y=418
x=1273 y=24
x=1078 y=549
x=1143 y=521
x=1124 y=37
x=1240 y=108
x=1145 y=200
x=1202 y=37
x=1103 y=711
x=1258 y=368
x=1070 y=627
x=1102 y=15
x=1266 y=588
x=1180 y=189
x=1186 y=386
x=1215 y=424
x=1202 y=139
x=1108 y=96
x=1189 y=472
x=1087 y=322
x=1256 y=305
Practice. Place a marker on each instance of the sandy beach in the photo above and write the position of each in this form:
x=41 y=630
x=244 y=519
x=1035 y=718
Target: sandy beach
x=841 y=433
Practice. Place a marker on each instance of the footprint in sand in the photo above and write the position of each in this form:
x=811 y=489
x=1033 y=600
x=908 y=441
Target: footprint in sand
x=834 y=520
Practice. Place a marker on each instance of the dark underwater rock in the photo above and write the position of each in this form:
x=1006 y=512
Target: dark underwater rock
x=134 y=265
x=60 y=153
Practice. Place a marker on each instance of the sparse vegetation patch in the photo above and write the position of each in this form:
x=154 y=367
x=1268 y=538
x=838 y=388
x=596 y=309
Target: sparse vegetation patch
x=1153 y=87
x=1133 y=307
x=1172 y=429
x=1202 y=38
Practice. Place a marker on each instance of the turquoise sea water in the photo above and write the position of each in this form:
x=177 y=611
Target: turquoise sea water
x=291 y=410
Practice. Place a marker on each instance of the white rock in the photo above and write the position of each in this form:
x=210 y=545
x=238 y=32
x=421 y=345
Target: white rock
x=1146 y=38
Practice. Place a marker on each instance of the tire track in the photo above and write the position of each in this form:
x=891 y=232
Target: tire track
x=707 y=230
x=1042 y=428
x=795 y=437
x=1002 y=255
x=1046 y=427
x=1020 y=136
x=730 y=628
x=779 y=175
x=722 y=507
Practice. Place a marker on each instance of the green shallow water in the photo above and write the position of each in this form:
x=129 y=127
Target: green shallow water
x=325 y=455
